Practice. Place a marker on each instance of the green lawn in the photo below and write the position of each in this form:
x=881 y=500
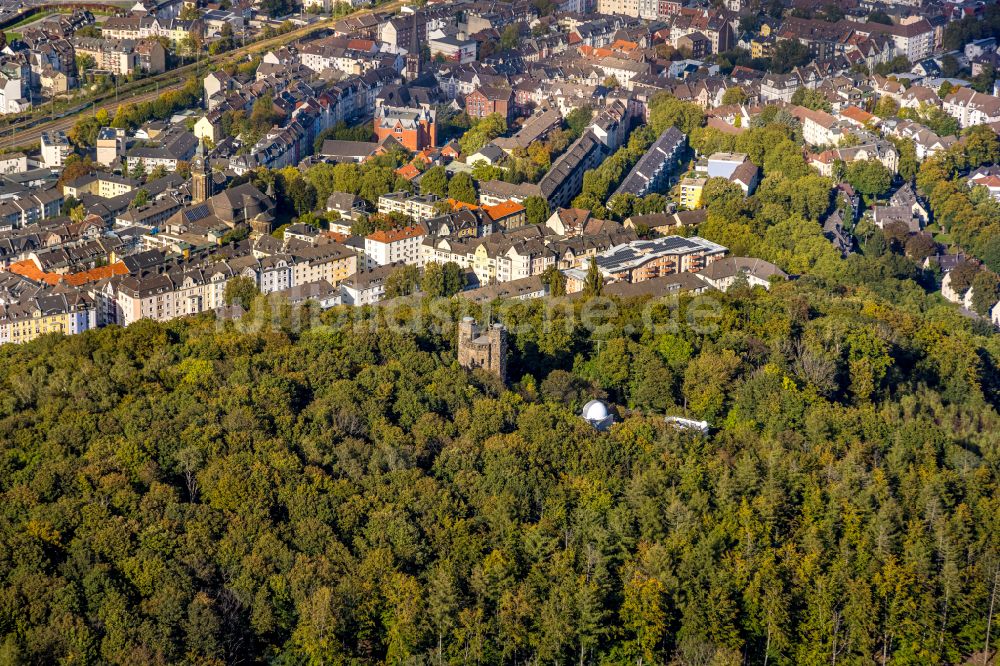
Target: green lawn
x=34 y=17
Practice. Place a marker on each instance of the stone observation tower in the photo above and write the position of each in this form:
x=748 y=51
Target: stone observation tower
x=479 y=348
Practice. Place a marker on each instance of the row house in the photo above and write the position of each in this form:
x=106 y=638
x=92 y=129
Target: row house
x=881 y=151
x=322 y=55
x=655 y=168
x=971 y=108
x=29 y=207
x=123 y=56
x=68 y=312
x=926 y=142
x=918 y=97
x=136 y=27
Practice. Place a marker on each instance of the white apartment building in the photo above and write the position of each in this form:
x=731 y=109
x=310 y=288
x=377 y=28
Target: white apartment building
x=396 y=245
x=13 y=163
x=418 y=207
x=971 y=108
x=55 y=149
x=819 y=128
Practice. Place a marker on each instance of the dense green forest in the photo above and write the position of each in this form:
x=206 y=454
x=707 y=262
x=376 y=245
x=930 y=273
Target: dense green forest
x=322 y=489
x=345 y=493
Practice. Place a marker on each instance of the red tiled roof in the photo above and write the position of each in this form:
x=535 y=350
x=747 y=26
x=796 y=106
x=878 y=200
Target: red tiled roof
x=504 y=209
x=856 y=114
x=30 y=270
x=459 y=205
x=393 y=235
x=408 y=171
x=95 y=274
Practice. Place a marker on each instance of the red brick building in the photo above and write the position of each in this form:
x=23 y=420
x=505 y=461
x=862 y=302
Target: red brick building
x=488 y=100
x=414 y=128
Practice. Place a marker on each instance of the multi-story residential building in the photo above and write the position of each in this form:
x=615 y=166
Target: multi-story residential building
x=714 y=25
x=927 y=143
x=611 y=125
x=331 y=262
x=655 y=168
x=110 y=145
x=722 y=165
x=779 y=87
x=971 y=108
x=164 y=296
x=643 y=260
x=166 y=150
x=452 y=49
x=65 y=312
x=395 y=245
x=142 y=27
x=104 y=185
x=724 y=273
x=690 y=190
x=123 y=56
x=879 y=150
x=367 y=286
x=535 y=128
x=14 y=82
x=416 y=206
x=914 y=36
x=564 y=180
x=487 y=100
x=13 y=163
x=29 y=206
x=55 y=149
x=351 y=56
x=115 y=56
x=819 y=128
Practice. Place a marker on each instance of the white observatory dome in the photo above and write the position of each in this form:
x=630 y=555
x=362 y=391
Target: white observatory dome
x=595 y=410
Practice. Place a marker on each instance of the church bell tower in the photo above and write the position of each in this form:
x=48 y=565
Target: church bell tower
x=201 y=188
